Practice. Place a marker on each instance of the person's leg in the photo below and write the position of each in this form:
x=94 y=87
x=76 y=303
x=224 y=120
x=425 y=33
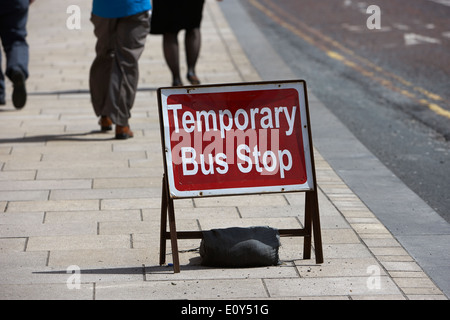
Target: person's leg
x=131 y=35
x=172 y=56
x=99 y=75
x=192 y=44
x=13 y=34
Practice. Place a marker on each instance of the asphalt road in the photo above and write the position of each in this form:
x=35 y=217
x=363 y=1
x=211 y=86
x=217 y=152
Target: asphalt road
x=386 y=77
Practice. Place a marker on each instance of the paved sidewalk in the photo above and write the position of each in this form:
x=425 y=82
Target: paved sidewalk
x=72 y=197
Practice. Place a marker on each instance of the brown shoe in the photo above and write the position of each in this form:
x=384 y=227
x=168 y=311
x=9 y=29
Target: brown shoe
x=123 y=133
x=105 y=123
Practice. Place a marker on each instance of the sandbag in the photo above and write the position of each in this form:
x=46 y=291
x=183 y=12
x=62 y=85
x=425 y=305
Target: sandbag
x=240 y=247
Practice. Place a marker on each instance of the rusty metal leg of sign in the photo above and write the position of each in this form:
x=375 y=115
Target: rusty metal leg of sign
x=307 y=227
x=162 y=243
x=168 y=210
x=173 y=237
x=312 y=226
x=317 y=230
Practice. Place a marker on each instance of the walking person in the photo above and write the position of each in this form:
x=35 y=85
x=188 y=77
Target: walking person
x=169 y=17
x=13 y=33
x=121 y=28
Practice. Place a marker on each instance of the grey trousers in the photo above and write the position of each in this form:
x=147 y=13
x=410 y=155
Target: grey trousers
x=114 y=74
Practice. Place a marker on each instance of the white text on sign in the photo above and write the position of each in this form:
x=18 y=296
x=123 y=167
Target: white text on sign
x=239 y=126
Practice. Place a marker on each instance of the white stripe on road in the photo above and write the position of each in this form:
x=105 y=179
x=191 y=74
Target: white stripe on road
x=443 y=2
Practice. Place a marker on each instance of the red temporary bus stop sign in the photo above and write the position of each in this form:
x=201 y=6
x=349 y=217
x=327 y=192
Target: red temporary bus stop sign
x=236 y=139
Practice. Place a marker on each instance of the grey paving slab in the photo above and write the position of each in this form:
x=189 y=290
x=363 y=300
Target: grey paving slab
x=341 y=285
x=186 y=289
x=23 y=195
x=55 y=205
x=73 y=242
x=45 y=184
x=96 y=216
x=15 y=244
x=108 y=261
x=46 y=292
x=42 y=229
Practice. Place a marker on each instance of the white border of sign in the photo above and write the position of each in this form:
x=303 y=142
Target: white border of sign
x=298 y=85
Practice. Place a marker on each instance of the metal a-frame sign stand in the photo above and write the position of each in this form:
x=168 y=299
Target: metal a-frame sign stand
x=311 y=230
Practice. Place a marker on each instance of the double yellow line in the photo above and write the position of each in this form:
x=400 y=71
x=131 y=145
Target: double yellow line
x=338 y=52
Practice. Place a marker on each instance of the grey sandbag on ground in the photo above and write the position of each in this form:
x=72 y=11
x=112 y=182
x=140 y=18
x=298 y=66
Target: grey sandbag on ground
x=240 y=247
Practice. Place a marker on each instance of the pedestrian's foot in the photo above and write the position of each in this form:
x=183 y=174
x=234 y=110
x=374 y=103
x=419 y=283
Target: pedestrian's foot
x=105 y=123
x=177 y=83
x=123 y=133
x=2 y=100
x=193 y=79
x=19 y=96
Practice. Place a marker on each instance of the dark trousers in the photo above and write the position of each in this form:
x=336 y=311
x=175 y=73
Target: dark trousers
x=114 y=73
x=13 y=32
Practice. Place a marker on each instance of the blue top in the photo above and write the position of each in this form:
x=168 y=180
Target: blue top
x=119 y=8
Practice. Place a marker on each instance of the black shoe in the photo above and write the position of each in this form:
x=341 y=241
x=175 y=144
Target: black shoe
x=193 y=79
x=19 y=96
x=177 y=83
